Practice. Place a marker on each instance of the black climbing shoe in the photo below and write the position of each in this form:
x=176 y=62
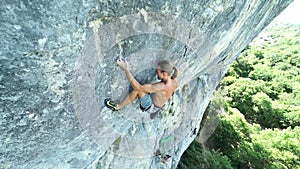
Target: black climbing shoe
x=110 y=104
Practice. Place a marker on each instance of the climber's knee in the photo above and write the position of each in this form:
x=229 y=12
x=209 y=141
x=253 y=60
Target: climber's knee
x=141 y=94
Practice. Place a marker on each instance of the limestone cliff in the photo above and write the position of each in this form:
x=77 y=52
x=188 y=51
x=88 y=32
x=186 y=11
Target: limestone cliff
x=58 y=65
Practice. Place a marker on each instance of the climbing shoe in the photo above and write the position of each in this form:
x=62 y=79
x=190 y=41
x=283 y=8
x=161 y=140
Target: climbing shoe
x=110 y=104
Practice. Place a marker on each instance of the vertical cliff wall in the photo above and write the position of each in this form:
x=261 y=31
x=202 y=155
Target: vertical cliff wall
x=58 y=64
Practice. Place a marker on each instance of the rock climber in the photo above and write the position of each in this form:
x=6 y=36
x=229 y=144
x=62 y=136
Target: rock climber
x=149 y=95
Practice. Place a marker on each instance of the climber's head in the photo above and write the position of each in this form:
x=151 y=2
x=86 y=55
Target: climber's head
x=165 y=69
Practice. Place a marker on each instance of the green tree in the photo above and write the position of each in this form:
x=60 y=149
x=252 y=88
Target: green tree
x=264 y=113
x=195 y=157
x=233 y=137
x=284 y=146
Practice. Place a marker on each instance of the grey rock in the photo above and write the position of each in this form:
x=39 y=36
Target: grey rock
x=57 y=64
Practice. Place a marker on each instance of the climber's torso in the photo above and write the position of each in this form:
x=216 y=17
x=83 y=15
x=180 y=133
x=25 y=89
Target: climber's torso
x=159 y=98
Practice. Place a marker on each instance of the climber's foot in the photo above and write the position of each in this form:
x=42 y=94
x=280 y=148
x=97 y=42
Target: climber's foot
x=110 y=104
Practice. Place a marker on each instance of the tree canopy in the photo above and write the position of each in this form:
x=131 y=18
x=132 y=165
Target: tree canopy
x=261 y=96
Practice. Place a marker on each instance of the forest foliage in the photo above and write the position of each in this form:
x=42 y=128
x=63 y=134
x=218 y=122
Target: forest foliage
x=260 y=94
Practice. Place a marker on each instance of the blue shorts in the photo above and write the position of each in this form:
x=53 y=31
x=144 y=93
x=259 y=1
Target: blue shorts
x=146 y=102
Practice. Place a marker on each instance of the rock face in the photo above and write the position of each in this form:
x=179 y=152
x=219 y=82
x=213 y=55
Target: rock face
x=58 y=65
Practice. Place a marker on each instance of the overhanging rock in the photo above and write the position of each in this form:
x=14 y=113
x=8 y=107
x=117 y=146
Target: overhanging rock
x=58 y=64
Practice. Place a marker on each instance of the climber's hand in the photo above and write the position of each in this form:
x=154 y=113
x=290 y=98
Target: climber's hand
x=122 y=63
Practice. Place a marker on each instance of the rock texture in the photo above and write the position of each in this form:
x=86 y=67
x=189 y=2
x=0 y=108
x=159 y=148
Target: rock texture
x=58 y=64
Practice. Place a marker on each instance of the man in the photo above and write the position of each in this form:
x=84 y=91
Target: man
x=149 y=94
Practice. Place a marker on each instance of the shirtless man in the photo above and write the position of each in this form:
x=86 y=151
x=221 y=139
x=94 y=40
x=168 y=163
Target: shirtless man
x=148 y=94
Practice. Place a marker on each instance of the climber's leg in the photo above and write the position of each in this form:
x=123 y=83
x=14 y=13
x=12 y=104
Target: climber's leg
x=126 y=101
x=144 y=99
x=130 y=98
